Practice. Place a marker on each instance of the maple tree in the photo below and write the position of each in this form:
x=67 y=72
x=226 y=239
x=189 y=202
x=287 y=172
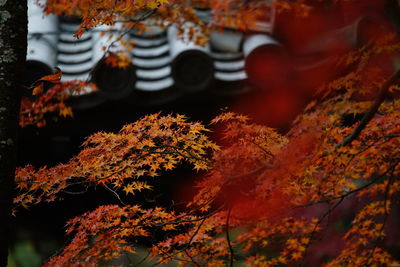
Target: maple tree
x=257 y=196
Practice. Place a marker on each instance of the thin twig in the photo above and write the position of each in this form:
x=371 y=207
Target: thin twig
x=373 y=181
x=75 y=193
x=228 y=239
x=143 y=260
x=190 y=240
x=191 y=258
x=115 y=194
x=386 y=215
x=313 y=232
x=135 y=21
x=189 y=220
x=144 y=17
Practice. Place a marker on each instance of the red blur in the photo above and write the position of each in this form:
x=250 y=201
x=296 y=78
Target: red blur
x=287 y=76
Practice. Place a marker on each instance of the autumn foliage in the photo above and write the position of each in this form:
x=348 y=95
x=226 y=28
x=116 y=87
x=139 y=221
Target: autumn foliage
x=52 y=102
x=263 y=198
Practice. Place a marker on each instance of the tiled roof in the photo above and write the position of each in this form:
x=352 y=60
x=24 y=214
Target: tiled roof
x=160 y=60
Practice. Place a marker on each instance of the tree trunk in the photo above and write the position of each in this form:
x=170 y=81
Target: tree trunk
x=13 y=43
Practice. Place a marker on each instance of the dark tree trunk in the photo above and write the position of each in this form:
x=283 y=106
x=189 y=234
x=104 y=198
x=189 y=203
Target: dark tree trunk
x=13 y=43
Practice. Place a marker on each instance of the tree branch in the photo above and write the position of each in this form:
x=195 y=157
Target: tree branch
x=358 y=189
x=314 y=231
x=371 y=112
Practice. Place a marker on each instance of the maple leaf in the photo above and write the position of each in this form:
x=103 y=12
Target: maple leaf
x=53 y=78
x=66 y=111
x=296 y=256
x=129 y=189
x=38 y=90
